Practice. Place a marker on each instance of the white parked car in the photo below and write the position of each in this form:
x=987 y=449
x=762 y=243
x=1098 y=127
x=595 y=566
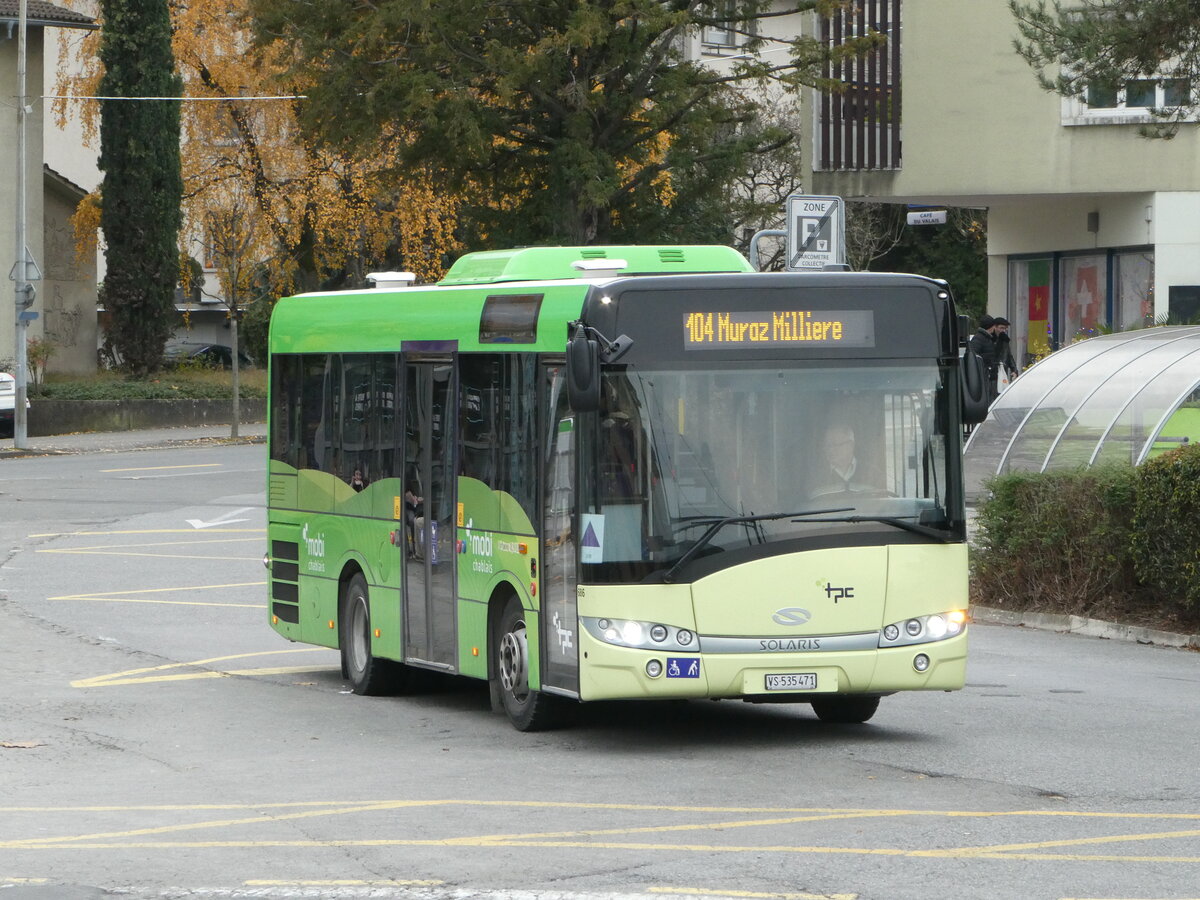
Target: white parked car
x=8 y=402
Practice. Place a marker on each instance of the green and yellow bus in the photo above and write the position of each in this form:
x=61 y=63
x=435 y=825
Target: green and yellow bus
x=639 y=473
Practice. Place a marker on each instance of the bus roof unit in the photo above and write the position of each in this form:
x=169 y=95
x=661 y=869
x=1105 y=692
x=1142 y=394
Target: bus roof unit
x=542 y=263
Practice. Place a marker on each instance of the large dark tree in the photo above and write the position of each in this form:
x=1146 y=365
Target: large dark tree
x=574 y=121
x=1076 y=45
x=140 y=194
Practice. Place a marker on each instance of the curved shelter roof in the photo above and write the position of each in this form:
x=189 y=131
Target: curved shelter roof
x=1113 y=398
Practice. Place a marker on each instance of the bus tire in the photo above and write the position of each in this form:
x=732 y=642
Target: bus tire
x=845 y=710
x=368 y=675
x=527 y=709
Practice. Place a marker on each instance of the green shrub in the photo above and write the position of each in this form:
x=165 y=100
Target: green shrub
x=182 y=384
x=1058 y=541
x=1166 y=520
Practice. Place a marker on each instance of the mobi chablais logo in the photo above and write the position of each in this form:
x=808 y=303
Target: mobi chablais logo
x=315 y=546
x=480 y=547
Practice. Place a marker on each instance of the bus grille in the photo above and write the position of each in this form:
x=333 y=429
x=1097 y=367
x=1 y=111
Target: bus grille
x=285 y=577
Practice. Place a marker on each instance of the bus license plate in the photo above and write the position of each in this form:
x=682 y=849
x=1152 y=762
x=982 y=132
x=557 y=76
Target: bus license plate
x=802 y=681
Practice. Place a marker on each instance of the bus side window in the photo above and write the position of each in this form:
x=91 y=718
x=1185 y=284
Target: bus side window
x=286 y=424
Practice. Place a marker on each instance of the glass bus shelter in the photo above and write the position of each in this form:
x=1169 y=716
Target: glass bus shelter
x=1113 y=398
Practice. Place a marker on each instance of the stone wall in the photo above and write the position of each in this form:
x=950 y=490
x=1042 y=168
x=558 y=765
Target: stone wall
x=51 y=417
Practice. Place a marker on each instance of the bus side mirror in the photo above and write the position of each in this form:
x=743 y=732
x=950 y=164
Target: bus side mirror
x=583 y=372
x=974 y=388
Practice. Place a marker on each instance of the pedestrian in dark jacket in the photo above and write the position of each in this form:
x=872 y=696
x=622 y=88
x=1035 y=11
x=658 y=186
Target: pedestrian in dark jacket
x=985 y=345
x=1004 y=357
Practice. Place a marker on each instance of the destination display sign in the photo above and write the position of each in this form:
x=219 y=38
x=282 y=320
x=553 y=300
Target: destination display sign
x=759 y=329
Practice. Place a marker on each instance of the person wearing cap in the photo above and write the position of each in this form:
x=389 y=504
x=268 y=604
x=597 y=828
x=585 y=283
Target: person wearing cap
x=986 y=347
x=1004 y=355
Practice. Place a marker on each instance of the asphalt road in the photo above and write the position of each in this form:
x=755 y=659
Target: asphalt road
x=157 y=739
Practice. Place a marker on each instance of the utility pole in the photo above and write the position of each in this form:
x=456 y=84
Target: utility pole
x=24 y=268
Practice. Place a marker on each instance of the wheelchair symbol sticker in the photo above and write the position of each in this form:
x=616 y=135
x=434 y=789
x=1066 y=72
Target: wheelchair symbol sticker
x=682 y=667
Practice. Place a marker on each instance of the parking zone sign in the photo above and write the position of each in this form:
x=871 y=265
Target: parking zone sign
x=816 y=233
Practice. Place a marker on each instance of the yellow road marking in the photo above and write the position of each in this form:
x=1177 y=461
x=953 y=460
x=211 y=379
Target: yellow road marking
x=157 y=468
x=627 y=807
x=125 y=596
x=113 y=840
x=134 y=550
x=6 y=880
x=192 y=543
x=701 y=826
x=150 y=531
x=134 y=676
x=587 y=845
x=345 y=882
x=223 y=823
x=166 y=602
x=1077 y=842
x=709 y=892
x=197 y=676
x=195 y=587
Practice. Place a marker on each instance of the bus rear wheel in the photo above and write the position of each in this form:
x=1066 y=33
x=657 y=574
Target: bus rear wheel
x=367 y=674
x=845 y=710
x=527 y=709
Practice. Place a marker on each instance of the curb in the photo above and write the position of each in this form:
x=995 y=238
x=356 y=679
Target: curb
x=1098 y=628
x=161 y=444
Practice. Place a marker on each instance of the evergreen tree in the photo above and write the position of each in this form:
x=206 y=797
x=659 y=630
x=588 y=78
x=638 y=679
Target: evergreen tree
x=1079 y=45
x=141 y=190
x=576 y=121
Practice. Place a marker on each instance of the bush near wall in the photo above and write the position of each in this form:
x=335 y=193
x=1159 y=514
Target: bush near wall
x=1111 y=542
x=1166 y=526
x=1056 y=542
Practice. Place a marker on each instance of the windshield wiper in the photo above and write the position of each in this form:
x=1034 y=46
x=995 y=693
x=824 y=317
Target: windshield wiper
x=935 y=533
x=718 y=524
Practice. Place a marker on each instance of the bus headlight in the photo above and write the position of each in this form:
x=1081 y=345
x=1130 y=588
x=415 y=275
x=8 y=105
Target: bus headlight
x=923 y=629
x=640 y=635
x=633 y=634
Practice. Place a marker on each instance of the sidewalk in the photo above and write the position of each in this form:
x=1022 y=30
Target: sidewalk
x=141 y=439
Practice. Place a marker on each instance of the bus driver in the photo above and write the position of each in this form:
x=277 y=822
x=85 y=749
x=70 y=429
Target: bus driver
x=841 y=470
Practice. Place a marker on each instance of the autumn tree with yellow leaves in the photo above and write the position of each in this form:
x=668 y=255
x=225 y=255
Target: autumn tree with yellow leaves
x=303 y=217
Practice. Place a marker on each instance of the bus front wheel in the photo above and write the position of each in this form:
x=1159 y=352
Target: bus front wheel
x=845 y=710
x=527 y=709
x=366 y=673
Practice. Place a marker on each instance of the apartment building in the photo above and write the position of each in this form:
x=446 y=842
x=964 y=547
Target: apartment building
x=1091 y=227
x=66 y=291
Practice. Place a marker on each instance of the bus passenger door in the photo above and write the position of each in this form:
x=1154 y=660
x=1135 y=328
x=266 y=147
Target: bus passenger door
x=560 y=618
x=429 y=588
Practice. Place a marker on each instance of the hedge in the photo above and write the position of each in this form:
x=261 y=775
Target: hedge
x=1057 y=541
x=1166 y=525
x=1105 y=541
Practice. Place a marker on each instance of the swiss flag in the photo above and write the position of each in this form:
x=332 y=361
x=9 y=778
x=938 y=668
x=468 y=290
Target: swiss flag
x=1039 y=303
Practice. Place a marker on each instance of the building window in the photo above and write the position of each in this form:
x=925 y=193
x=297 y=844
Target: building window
x=858 y=126
x=1133 y=278
x=1082 y=282
x=1135 y=100
x=1029 y=309
x=725 y=32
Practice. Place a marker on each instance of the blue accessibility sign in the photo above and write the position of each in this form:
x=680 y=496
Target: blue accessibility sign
x=682 y=667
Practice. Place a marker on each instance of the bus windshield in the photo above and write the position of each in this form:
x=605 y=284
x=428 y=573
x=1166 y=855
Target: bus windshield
x=678 y=450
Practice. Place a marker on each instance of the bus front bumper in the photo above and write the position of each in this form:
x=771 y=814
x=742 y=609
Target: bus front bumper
x=614 y=673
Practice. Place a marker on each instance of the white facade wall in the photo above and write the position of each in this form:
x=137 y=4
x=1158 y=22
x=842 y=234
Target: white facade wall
x=8 y=180
x=978 y=131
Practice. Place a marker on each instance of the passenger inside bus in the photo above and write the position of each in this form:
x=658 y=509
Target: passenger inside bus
x=414 y=524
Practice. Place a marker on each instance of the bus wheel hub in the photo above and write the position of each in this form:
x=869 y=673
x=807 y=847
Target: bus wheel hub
x=513 y=670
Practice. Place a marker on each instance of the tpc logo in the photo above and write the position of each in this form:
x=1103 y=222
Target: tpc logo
x=838 y=593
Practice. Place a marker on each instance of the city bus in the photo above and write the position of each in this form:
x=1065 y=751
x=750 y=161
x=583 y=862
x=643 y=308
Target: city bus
x=634 y=473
